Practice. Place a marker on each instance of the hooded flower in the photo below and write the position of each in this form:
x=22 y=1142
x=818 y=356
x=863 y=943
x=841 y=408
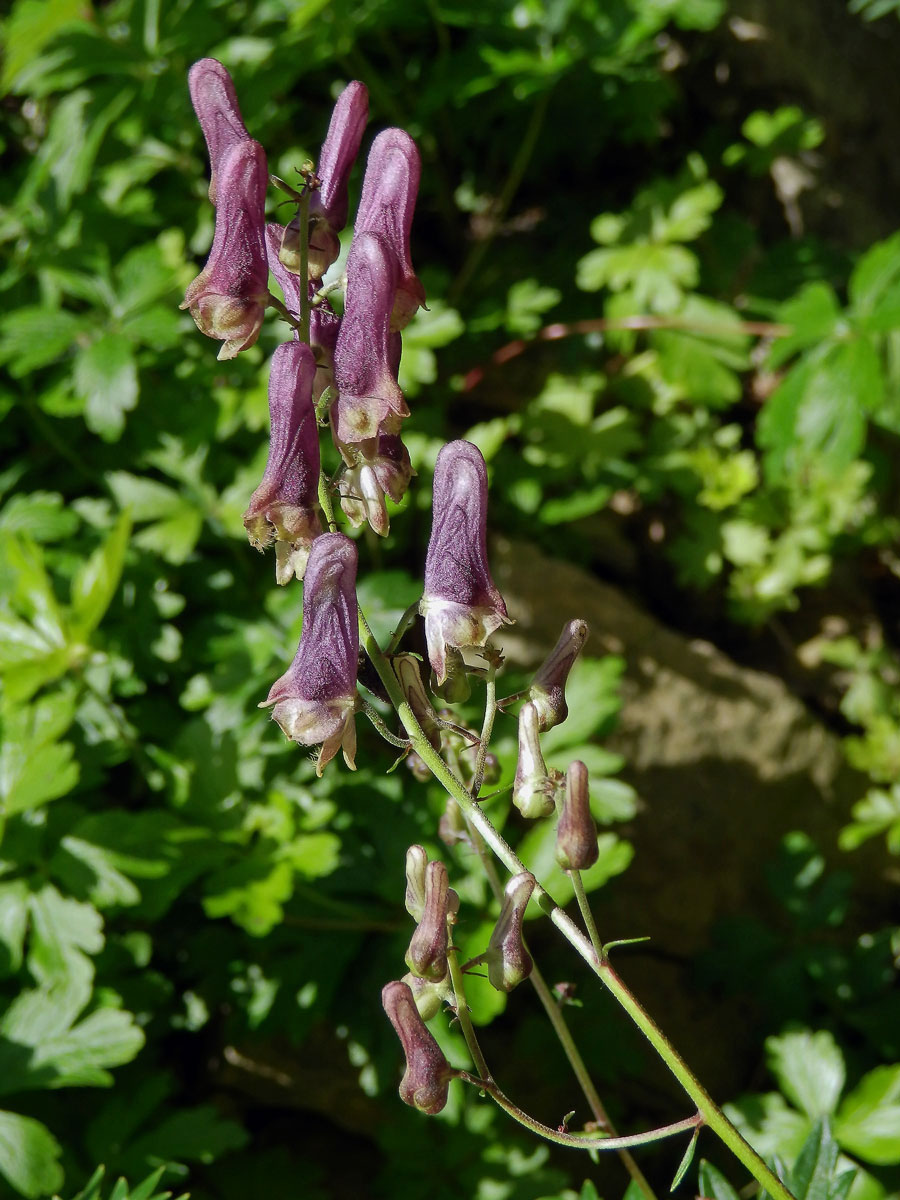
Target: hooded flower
x=426 y=1080
x=316 y=697
x=328 y=204
x=508 y=961
x=461 y=605
x=386 y=206
x=283 y=507
x=548 y=688
x=534 y=788
x=576 y=834
x=216 y=105
x=228 y=298
x=364 y=374
x=427 y=953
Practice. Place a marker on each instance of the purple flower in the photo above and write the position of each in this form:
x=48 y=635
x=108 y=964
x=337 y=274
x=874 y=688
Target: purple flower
x=328 y=203
x=576 y=834
x=461 y=605
x=316 y=697
x=228 y=298
x=364 y=375
x=426 y=1080
x=286 y=280
x=508 y=961
x=284 y=506
x=427 y=953
x=386 y=206
x=375 y=468
x=216 y=105
x=548 y=688
x=534 y=787
x=328 y=206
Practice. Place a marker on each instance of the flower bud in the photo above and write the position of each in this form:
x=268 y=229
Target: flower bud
x=283 y=507
x=216 y=105
x=366 y=382
x=406 y=668
x=508 y=962
x=461 y=605
x=416 y=862
x=228 y=298
x=576 y=834
x=548 y=688
x=386 y=206
x=534 y=787
x=316 y=697
x=286 y=280
x=429 y=994
x=427 y=953
x=328 y=202
x=426 y=1080
x=456 y=688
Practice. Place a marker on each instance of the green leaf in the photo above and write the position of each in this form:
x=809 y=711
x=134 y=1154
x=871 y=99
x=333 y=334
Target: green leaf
x=686 y=1160
x=13 y=923
x=34 y=766
x=64 y=933
x=35 y=337
x=29 y=27
x=713 y=1184
x=812 y=315
x=875 y=276
x=29 y=1155
x=190 y=1135
x=96 y=581
x=41 y=516
x=809 y=1068
x=868 y=1120
x=812 y=1177
x=107 y=381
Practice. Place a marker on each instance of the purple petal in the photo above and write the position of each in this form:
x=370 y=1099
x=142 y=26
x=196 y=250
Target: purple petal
x=216 y=105
x=386 y=207
x=367 y=387
x=339 y=151
x=284 y=506
x=228 y=298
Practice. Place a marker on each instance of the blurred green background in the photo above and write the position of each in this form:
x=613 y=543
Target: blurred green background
x=699 y=199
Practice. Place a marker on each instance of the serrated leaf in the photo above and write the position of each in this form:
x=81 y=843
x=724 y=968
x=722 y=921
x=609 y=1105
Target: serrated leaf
x=812 y=315
x=868 y=1120
x=29 y=1155
x=874 y=275
x=64 y=933
x=34 y=766
x=809 y=1068
x=107 y=381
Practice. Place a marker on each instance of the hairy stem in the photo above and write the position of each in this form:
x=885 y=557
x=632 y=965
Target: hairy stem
x=487 y=728
x=303 y=214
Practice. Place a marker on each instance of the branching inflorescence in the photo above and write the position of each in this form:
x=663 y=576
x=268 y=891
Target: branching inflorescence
x=343 y=371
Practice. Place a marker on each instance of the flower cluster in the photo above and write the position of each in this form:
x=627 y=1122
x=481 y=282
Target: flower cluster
x=344 y=369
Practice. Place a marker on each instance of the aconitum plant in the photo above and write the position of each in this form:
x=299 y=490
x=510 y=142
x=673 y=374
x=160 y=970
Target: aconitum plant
x=341 y=372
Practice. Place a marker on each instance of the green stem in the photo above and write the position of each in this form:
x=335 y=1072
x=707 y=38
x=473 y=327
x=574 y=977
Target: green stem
x=487 y=728
x=303 y=214
x=579 y=1069
x=325 y=503
x=404 y=623
x=706 y=1106
x=485 y=1081
x=282 y=311
x=587 y=916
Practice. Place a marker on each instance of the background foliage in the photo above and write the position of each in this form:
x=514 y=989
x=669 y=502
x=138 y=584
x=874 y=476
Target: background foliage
x=193 y=930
